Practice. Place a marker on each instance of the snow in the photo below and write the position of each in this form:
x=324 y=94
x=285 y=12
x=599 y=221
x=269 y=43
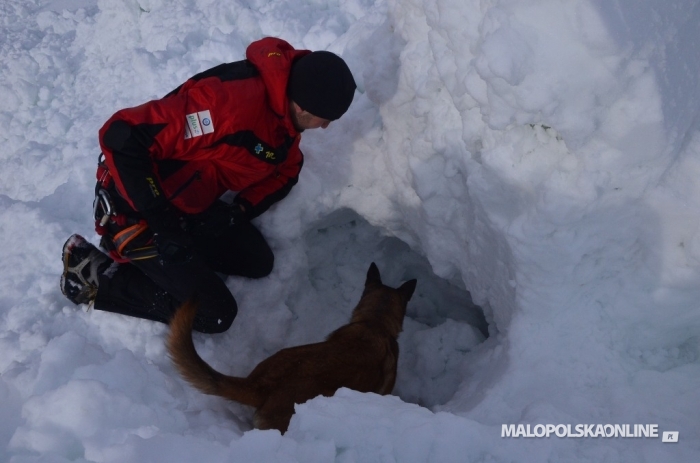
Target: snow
x=537 y=156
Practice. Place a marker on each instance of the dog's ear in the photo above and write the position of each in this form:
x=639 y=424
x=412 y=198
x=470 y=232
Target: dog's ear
x=373 y=276
x=406 y=289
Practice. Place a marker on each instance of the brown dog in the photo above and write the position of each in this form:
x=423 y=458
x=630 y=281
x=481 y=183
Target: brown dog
x=361 y=355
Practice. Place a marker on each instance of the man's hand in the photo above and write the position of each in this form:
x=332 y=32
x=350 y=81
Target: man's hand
x=218 y=218
x=173 y=243
x=173 y=247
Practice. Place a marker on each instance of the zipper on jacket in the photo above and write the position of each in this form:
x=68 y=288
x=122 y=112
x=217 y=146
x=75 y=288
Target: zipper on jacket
x=195 y=176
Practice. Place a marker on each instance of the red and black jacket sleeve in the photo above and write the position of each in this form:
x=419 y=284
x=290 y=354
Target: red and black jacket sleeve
x=127 y=153
x=259 y=197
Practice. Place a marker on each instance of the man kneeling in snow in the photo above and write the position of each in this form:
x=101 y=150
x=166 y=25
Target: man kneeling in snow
x=165 y=165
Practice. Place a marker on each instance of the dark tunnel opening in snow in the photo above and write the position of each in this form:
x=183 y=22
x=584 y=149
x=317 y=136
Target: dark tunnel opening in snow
x=442 y=323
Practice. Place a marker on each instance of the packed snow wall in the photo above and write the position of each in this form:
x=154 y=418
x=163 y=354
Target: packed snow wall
x=543 y=153
x=496 y=100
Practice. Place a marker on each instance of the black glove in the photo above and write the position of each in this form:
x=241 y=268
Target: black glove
x=217 y=219
x=173 y=243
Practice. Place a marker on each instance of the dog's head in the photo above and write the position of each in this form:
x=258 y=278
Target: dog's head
x=383 y=302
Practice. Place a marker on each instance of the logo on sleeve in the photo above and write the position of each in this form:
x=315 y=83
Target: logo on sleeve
x=198 y=124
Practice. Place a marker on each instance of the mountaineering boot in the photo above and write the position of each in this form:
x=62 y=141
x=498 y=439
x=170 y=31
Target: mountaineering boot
x=83 y=264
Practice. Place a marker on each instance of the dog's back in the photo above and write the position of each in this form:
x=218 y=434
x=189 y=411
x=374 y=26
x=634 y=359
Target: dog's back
x=361 y=355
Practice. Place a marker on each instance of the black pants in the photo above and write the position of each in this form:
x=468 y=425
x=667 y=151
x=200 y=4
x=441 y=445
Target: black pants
x=152 y=290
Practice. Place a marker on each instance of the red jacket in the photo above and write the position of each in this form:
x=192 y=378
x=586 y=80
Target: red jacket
x=227 y=128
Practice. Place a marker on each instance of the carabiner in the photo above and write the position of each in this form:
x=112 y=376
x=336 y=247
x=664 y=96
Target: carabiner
x=103 y=201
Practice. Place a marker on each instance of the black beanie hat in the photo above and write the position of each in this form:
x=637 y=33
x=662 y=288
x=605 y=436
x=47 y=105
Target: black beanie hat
x=322 y=84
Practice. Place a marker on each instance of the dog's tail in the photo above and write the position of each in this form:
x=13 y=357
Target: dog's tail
x=196 y=371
